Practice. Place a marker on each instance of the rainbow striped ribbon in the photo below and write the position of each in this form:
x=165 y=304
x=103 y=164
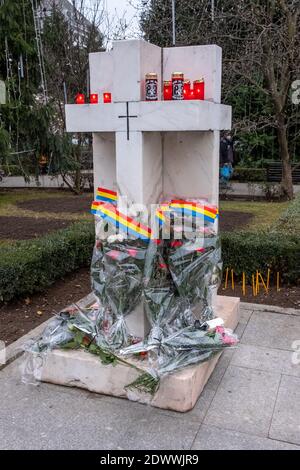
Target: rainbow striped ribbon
x=110 y=212
x=209 y=213
x=106 y=195
x=160 y=213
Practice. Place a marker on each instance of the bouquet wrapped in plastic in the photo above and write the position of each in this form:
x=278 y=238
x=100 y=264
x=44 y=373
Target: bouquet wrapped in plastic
x=175 y=274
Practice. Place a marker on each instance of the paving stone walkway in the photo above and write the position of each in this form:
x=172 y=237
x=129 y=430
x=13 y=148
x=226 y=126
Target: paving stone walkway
x=252 y=401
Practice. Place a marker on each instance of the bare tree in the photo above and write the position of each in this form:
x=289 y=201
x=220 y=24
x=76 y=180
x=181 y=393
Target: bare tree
x=70 y=32
x=261 y=44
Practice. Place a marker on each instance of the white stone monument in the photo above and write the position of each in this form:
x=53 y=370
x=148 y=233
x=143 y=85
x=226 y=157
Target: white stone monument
x=148 y=151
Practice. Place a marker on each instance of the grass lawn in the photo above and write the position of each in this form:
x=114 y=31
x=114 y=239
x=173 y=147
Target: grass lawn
x=264 y=213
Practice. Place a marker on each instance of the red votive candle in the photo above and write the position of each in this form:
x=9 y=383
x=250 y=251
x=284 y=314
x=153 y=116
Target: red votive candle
x=94 y=98
x=167 y=90
x=107 y=97
x=186 y=89
x=199 y=89
x=191 y=95
x=80 y=98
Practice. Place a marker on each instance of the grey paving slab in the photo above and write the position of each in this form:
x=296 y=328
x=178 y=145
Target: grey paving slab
x=214 y=438
x=244 y=401
x=245 y=315
x=269 y=308
x=197 y=414
x=274 y=360
x=53 y=417
x=246 y=404
x=272 y=330
x=153 y=432
x=286 y=418
x=220 y=369
x=240 y=329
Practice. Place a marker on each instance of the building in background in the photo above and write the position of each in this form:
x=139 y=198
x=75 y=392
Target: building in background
x=68 y=8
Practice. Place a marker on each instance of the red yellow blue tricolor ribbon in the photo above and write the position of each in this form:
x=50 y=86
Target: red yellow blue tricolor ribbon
x=107 y=195
x=110 y=212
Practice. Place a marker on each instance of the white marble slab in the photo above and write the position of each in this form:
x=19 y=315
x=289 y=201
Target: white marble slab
x=196 y=62
x=191 y=165
x=132 y=60
x=101 y=73
x=139 y=167
x=122 y=71
x=152 y=116
x=104 y=161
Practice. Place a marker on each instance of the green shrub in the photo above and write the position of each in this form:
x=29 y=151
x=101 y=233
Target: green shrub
x=31 y=266
x=249 y=252
x=277 y=249
x=251 y=175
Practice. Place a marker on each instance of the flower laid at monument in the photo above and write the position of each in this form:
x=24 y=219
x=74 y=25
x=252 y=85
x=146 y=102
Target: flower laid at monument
x=151 y=318
x=175 y=278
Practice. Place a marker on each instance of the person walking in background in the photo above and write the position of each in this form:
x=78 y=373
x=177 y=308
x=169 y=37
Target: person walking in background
x=223 y=151
x=226 y=159
x=230 y=150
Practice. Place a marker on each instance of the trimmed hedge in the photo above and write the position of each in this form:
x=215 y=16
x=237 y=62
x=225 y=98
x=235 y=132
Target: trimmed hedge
x=249 y=252
x=277 y=249
x=250 y=175
x=27 y=267
x=31 y=266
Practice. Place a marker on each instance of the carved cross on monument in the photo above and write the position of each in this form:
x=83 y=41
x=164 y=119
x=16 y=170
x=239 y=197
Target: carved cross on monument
x=127 y=116
x=156 y=148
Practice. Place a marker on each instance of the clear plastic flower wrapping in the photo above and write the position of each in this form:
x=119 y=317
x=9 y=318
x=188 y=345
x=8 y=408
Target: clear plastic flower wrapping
x=174 y=276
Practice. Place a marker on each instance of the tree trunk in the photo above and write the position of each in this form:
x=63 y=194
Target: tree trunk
x=287 y=179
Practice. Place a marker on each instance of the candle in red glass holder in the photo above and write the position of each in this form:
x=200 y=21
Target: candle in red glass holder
x=199 y=86
x=80 y=98
x=107 y=97
x=94 y=98
x=186 y=89
x=167 y=90
x=191 y=95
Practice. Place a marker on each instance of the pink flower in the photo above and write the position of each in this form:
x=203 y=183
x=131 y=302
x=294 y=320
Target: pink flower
x=132 y=252
x=220 y=330
x=114 y=254
x=230 y=340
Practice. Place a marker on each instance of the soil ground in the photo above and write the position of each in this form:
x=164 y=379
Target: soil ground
x=70 y=204
x=26 y=228
x=19 y=317
x=232 y=220
x=286 y=297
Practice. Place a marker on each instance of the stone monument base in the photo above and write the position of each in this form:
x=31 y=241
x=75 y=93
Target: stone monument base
x=179 y=391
